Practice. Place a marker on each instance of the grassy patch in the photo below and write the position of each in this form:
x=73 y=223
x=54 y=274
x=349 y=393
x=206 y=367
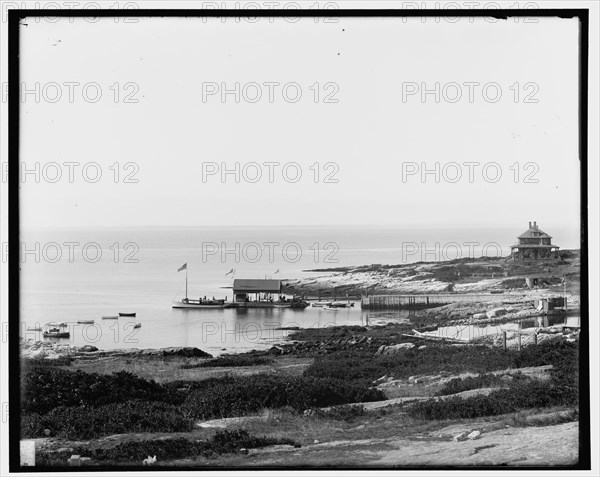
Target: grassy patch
x=231 y=361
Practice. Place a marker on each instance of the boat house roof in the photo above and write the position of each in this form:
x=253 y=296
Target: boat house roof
x=243 y=285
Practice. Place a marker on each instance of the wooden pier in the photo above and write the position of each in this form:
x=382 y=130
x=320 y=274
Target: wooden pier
x=415 y=302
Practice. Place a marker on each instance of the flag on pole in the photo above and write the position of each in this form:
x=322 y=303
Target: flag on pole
x=183 y=267
x=230 y=271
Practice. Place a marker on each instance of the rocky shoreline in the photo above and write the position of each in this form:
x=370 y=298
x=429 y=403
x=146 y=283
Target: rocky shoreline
x=47 y=350
x=466 y=275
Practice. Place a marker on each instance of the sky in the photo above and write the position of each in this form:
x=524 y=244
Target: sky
x=340 y=103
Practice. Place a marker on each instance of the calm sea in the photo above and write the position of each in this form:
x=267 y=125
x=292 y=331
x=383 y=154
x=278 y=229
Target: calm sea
x=82 y=274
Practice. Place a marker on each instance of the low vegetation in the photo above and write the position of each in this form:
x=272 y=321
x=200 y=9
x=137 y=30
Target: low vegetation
x=78 y=405
x=437 y=358
x=237 y=396
x=222 y=442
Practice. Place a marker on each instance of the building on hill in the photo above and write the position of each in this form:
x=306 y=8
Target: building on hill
x=533 y=244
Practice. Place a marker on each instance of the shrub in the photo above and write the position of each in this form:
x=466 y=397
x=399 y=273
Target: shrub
x=243 y=395
x=48 y=387
x=341 y=413
x=87 y=423
x=459 y=385
x=520 y=395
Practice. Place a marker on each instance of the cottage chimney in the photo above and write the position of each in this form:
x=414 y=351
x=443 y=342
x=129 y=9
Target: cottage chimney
x=535 y=225
x=529 y=224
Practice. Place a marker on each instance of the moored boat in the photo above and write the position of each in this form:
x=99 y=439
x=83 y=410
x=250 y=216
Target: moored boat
x=137 y=325
x=127 y=314
x=111 y=317
x=56 y=330
x=85 y=322
x=200 y=304
x=341 y=304
x=321 y=304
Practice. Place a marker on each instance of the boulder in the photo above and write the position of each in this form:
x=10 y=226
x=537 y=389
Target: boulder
x=474 y=435
x=496 y=312
x=397 y=348
x=460 y=437
x=192 y=352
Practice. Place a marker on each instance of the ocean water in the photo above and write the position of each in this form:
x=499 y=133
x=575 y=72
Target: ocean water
x=82 y=274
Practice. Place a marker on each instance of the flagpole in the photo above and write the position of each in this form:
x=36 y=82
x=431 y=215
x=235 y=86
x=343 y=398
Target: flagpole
x=186 y=282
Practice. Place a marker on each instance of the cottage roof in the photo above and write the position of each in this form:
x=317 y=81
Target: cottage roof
x=534 y=232
x=245 y=285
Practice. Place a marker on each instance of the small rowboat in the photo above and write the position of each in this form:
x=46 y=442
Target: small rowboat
x=127 y=314
x=34 y=329
x=137 y=325
x=85 y=322
x=112 y=317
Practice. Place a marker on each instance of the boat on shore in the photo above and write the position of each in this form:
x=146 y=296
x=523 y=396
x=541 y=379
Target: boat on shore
x=137 y=325
x=56 y=330
x=127 y=314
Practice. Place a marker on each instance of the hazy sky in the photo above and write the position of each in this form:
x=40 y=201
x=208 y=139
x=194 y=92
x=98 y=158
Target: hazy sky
x=379 y=127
